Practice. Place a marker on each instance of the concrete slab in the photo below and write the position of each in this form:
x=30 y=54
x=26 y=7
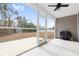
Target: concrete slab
x=12 y=48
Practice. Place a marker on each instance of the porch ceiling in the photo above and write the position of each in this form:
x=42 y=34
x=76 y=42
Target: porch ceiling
x=64 y=11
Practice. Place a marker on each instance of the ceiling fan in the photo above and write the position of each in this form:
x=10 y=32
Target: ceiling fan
x=58 y=6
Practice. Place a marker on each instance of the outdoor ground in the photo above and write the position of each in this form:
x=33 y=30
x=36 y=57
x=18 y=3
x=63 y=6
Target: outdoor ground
x=17 y=36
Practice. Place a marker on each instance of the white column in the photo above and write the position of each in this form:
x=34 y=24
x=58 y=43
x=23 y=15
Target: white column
x=77 y=26
x=46 y=29
x=55 y=29
x=37 y=33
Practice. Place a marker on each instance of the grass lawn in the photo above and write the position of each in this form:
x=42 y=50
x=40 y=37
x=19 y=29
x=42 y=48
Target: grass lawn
x=17 y=36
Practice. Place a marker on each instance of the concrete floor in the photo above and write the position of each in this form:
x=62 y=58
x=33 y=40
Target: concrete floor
x=12 y=48
x=56 y=47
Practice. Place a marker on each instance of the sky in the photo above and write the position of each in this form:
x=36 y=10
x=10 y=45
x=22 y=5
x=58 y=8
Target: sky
x=31 y=14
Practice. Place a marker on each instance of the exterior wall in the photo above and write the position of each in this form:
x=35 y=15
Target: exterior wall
x=78 y=26
x=68 y=23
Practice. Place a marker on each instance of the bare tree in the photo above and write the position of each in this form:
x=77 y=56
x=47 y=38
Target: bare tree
x=6 y=13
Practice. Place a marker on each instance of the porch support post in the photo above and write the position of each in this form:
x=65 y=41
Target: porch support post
x=37 y=33
x=77 y=25
x=46 y=29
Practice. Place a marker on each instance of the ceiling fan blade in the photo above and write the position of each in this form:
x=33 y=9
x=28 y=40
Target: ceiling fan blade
x=58 y=6
x=55 y=9
x=52 y=5
x=64 y=5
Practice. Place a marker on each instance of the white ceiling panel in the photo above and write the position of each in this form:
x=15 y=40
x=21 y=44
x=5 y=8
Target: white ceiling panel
x=64 y=11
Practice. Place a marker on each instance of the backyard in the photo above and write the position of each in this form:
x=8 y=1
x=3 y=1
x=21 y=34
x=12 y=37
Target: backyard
x=16 y=20
x=18 y=36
